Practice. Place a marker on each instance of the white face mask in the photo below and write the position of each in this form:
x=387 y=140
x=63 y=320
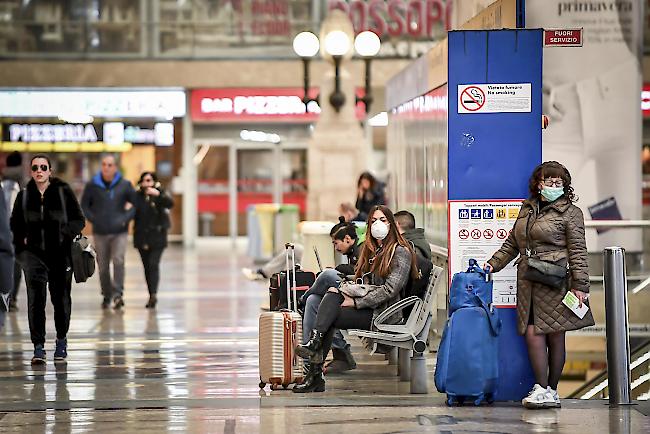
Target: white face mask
x=379 y=230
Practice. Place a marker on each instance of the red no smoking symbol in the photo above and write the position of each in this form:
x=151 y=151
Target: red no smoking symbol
x=502 y=234
x=472 y=98
x=463 y=234
x=488 y=234
x=476 y=234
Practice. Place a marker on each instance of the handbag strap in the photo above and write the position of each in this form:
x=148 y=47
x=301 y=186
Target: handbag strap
x=65 y=211
x=495 y=322
x=529 y=250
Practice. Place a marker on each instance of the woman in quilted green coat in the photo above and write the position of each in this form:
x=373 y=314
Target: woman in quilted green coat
x=556 y=233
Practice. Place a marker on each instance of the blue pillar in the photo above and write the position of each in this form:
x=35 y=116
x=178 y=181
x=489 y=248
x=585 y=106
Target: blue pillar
x=492 y=155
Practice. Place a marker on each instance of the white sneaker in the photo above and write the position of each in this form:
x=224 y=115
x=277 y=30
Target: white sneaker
x=555 y=396
x=539 y=397
x=251 y=274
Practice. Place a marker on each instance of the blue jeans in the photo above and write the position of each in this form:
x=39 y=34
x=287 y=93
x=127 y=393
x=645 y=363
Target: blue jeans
x=327 y=279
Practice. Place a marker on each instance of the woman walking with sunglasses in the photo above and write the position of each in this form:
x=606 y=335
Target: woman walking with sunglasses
x=550 y=230
x=45 y=220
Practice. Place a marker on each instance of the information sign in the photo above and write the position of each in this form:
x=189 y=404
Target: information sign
x=479 y=237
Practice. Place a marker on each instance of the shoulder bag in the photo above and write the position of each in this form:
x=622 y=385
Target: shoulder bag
x=550 y=273
x=83 y=254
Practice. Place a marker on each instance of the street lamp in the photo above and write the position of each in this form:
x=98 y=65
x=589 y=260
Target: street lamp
x=337 y=45
x=306 y=45
x=367 y=45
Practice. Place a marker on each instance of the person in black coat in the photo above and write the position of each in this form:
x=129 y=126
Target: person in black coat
x=370 y=192
x=152 y=206
x=45 y=220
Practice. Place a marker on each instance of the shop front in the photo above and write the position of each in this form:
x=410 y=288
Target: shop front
x=250 y=148
x=75 y=127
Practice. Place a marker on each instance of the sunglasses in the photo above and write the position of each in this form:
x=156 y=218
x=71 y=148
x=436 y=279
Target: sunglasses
x=43 y=167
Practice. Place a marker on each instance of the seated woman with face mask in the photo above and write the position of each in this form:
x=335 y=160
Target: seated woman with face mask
x=385 y=265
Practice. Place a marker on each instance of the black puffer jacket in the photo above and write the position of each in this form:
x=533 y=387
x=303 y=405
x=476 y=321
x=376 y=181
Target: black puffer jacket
x=151 y=220
x=44 y=231
x=353 y=257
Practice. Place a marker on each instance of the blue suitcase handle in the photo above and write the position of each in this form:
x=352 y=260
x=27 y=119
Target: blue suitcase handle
x=475 y=268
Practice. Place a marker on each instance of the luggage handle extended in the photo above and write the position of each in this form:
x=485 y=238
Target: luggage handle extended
x=292 y=302
x=474 y=267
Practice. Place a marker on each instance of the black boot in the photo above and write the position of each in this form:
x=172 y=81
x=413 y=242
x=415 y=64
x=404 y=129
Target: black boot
x=151 y=304
x=342 y=361
x=312 y=350
x=314 y=381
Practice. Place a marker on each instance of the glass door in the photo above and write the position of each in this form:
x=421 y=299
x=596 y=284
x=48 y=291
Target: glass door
x=213 y=171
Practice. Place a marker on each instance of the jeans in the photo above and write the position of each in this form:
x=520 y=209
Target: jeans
x=111 y=248
x=151 y=264
x=57 y=277
x=325 y=280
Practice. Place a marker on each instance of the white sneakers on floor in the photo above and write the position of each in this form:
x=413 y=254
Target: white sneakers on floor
x=555 y=396
x=541 y=397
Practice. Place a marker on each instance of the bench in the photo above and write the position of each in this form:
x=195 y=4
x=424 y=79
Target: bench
x=410 y=338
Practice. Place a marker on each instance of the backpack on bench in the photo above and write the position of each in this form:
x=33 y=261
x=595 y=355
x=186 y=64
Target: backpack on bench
x=417 y=286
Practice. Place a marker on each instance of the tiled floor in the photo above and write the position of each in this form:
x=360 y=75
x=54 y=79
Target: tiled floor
x=191 y=366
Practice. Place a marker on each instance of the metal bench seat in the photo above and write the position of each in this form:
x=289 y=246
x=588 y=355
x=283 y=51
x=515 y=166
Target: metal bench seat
x=411 y=336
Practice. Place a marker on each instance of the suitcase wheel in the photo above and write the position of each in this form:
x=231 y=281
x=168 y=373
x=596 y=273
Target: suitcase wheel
x=453 y=400
x=478 y=401
x=262 y=385
x=285 y=386
x=274 y=386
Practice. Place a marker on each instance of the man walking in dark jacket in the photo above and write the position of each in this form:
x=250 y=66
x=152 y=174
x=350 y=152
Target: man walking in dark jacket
x=107 y=202
x=45 y=220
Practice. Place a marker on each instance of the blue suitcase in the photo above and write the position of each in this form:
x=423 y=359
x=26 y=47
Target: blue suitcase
x=467 y=365
x=464 y=286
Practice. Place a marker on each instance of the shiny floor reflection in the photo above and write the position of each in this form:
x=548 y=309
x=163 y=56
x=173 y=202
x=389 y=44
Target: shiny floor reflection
x=191 y=366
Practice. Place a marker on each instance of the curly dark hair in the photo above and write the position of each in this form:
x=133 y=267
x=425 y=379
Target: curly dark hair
x=551 y=169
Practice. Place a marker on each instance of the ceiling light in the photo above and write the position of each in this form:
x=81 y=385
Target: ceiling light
x=306 y=44
x=367 y=44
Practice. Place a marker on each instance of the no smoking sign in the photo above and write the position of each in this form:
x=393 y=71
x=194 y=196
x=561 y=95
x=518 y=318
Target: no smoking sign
x=472 y=98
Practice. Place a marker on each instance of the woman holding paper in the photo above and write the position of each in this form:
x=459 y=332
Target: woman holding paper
x=552 y=271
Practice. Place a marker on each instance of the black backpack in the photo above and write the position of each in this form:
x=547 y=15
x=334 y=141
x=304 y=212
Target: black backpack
x=418 y=286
